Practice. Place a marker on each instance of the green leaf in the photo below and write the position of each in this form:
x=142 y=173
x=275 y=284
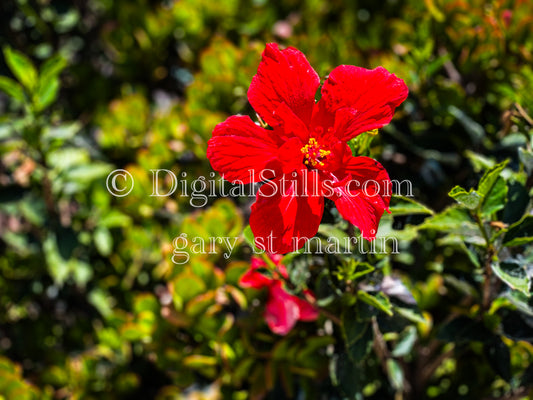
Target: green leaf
x=479 y=162
x=22 y=67
x=186 y=286
x=523 y=303
x=361 y=269
x=53 y=67
x=61 y=132
x=197 y=361
x=146 y=302
x=451 y=219
x=81 y=271
x=526 y=158
x=87 y=173
x=6 y=132
x=357 y=335
x=395 y=373
x=514 y=275
x=407 y=206
x=57 y=266
x=350 y=376
x=516 y=202
x=46 y=92
x=65 y=158
x=406 y=342
x=459 y=241
x=469 y=199
x=489 y=179
x=496 y=198
x=113 y=219
x=350 y=270
x=12 y=89
x=411 y=315
x=311 y=346
x=249 y=237
x=337 y=235
x=379 y=301
x=519 y=233
x=103 y=241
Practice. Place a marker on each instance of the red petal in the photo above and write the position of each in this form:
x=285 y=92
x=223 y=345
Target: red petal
x=282 y=312
x=239 y=146
x=290 y=155
x=276 y=258
x=366 y=169
x=290 y=124
x=364 y=197
x=286 y=211
x=282 y=269
x=357 y=100
x=254 y=279
x=257 y=262
x=308 y=312
x=283 y=76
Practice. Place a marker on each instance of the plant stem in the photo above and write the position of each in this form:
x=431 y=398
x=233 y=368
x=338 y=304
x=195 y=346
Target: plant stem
x=487 y=283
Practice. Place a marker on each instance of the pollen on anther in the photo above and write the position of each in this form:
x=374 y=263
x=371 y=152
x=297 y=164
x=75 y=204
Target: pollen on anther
x=314 y=154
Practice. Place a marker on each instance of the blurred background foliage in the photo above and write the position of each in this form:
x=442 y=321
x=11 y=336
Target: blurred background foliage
x=92 y=305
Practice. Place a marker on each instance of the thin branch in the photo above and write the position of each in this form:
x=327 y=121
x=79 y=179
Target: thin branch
x=524 y=114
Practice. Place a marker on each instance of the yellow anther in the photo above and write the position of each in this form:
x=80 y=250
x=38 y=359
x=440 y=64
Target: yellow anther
x=314 y=154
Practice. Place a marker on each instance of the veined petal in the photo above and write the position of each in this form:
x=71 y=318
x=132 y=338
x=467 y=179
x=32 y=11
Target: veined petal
x=364 y=197
x=240 y=150
x=290 y=155
x=287 y=211
x=283 y=76
x=356 y=100
x=372 y=177
x=360 y=210
x=289 y=125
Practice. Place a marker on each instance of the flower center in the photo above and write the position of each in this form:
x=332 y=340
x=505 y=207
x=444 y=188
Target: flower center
x=314 y=153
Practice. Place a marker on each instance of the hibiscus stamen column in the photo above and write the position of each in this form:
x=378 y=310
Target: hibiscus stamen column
x=314 y=153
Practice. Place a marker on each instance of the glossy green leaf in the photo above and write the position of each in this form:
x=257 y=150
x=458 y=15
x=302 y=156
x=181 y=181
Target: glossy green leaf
x=514 y=275
x=380 y=301
x=519 y=233
x=407 y=206
x=357 y=334
x=451 y=219
x=47 y=91
x=489 y=179
x=469 y=199
x=21 y=67
x=12 y=89
x=53 y=67
x=526 y=158
x=495 y=199
x=396 y=376
x=405 y=344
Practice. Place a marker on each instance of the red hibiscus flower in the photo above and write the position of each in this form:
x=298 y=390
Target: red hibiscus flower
x=283 y=309
x=304 y=157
